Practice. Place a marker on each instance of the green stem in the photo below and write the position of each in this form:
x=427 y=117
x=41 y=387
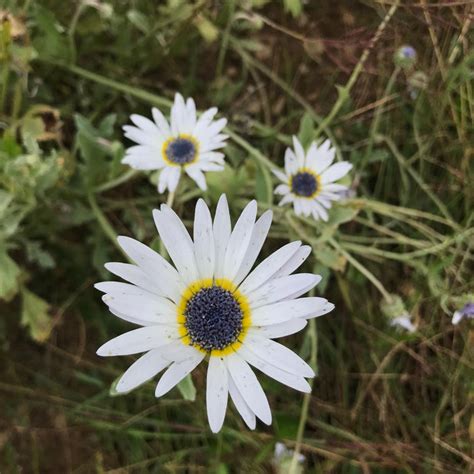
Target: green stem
x=369 y=275
x=104 y=223
x=117 y=181
x=313 y=335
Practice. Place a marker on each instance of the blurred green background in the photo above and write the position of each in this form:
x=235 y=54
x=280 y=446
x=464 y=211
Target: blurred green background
x=385 y=400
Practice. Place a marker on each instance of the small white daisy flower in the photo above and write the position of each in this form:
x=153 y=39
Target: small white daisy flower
x=210 y=305
x=309 y=179
x=186 y=143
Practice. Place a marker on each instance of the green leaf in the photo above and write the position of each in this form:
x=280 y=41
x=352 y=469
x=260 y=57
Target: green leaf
x=208 y=30
x=139 y=20
x=295 y=7
x=187 y=388
x=9 y=276
x=306 y=131
x=341 y=214
x=329 y=258
x=34 y=315
x=263 y=186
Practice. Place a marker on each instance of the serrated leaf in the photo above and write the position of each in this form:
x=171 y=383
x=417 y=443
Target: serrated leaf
x=35 y=316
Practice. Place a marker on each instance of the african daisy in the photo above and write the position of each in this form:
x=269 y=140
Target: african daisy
x=186 y=143
x=210 y=305
x=309 y=179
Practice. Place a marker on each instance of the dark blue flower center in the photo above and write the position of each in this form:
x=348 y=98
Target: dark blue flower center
x=213 y=318
x=304 y=184
x=181 y=151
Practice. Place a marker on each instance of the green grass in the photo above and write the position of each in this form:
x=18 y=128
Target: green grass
x=383 y=401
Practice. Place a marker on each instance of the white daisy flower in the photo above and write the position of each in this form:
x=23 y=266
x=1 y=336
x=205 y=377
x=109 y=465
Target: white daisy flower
x=210 y=305
x=186 y=143
x=309 y=179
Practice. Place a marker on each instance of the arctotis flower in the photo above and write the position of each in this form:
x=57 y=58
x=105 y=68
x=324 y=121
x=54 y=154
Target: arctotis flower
x=309 y=179
x=212 y=305
x=186 y=144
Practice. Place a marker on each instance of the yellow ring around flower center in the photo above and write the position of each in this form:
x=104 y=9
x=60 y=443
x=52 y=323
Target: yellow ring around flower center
x=241 y=300
x=181 y=136
x=317 y=178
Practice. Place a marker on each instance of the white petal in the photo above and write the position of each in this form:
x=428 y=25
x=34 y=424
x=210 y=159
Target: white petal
x=191 y=113
x=216 y=393
x=138 y=340
x=145 y=124
x=177 y=372
x=148 y=308
x=297 y=206
x=277 y=354
x=335 y=188
x=143 y=138
x=161 y=122
x=457 y=317
x=143 y=162
x=286 y=200
x=269 y=267
x=282 y=189
x=164 y=276
x=204 y=121
x=177 y=241
x=285 y=310
x=133 y=274
x=178 y=114
x=245 y=412
x=142 y=370
x=279 y=330
x=249 y=387
x=278 y=289
x=196 y=175
x=140 y=321
x=163 y=179
x=280 y=175
x=204 y=251
x=259 y=234
x=322 y=158
x=287 y=378
x=294 y=262
x=173 y=178
x=335 y=172
x=321 y=211
x=239 y=240
x=299 y=152
x=221 y=229
x=291 y=162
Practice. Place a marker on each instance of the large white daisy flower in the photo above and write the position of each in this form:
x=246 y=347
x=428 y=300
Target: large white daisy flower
x=309 y=179
x=210 y=305
x=186 y=143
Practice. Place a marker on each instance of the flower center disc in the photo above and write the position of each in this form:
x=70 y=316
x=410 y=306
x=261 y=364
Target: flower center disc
x=304 y=184
x=213 y=318
x=181 y=151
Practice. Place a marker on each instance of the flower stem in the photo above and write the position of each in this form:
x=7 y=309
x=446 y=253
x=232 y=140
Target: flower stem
x=104 y=223
x=313 y=336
